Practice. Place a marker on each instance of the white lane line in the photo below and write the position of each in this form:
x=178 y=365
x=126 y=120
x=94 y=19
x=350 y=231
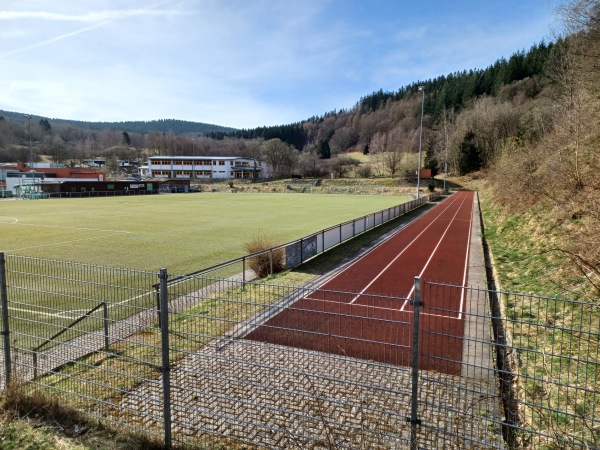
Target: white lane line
x=402 y=228
x=433 y=253
x=398 y=256
x=464 y=283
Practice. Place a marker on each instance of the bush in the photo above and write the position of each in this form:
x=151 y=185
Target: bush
x=431 y=186
x=364 y=171
x=266 y=263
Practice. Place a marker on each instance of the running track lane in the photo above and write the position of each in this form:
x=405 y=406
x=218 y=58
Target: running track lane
x=364 y=311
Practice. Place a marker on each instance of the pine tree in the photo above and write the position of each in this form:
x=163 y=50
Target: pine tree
x=126 y=139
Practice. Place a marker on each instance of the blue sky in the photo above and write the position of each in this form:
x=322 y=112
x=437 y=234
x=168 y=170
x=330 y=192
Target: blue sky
x=244 y=63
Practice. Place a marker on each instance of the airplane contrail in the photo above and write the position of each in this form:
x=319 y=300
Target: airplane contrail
x=105 y=17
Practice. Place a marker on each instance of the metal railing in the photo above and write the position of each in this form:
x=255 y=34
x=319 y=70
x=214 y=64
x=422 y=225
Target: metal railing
x=279 y=366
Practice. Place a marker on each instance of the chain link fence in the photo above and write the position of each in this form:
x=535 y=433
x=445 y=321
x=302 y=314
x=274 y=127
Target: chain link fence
x=205 y=359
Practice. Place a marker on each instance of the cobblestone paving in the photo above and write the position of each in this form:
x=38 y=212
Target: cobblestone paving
x=281 y=397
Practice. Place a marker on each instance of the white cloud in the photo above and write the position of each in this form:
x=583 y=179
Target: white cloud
x=94 y=16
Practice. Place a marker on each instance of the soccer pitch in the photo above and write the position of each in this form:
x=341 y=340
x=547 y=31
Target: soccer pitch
x=182 y=232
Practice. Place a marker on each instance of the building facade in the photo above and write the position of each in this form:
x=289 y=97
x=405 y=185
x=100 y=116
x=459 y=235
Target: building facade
x=13 y=177
x=203 y=167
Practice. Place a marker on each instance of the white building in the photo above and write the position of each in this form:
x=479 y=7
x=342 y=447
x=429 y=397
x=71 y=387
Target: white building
x=203 y=167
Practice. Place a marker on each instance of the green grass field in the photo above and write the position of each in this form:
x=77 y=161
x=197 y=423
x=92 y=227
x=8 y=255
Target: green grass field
x=183 y=232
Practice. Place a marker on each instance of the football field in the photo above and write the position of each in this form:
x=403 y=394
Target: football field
x=183 y=232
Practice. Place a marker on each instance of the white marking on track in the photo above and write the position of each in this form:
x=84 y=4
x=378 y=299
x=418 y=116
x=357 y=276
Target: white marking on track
x=462 y=294
x=370 y=307
x=434 y=251
x=399 y=254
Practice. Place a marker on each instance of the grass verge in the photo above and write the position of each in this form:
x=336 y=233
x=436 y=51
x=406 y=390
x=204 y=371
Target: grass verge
x=557 y=340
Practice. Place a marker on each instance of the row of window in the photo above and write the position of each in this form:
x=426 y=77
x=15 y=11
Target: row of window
x=188 y=173
x=178 y=162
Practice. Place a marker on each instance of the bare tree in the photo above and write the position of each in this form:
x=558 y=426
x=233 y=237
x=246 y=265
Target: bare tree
x=392 y=161
x=340 y=165
x=280 y=157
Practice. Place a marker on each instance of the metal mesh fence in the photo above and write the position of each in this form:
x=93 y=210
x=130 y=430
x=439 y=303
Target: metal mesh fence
x=200 y=360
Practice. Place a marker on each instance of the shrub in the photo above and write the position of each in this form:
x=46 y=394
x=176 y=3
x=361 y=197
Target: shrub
x=431 y=186
x=364 y=171
x=266 y=263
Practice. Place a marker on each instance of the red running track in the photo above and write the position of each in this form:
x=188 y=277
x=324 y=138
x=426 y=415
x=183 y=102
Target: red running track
x=364 y=311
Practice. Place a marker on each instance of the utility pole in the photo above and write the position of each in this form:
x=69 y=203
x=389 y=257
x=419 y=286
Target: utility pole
x=421 y=88
x=446 y=157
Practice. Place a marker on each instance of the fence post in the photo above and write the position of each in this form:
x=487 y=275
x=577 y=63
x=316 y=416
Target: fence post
x=243 y=271
x=166 y=366
x=34 y=363
x=5 y=324
x=413 y=419
x=157 y=288
x=105 y=317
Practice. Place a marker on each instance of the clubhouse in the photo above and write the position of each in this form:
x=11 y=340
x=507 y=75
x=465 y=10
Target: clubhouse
x=202 y=167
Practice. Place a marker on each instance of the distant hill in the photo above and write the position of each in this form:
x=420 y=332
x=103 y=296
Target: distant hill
x=139 y=126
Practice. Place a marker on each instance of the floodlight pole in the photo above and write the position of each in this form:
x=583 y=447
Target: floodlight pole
x=446 y=157
x=29 y=132
x=421 y=88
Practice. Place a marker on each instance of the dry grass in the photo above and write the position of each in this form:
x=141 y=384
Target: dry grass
x=556 y=339
x=38 y=420
x=269 y=262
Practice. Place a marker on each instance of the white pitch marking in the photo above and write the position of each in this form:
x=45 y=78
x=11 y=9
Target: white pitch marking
x=67 y=242
x=61 y=314
x=14 y=220
x=68 y=228
x=76 y=312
